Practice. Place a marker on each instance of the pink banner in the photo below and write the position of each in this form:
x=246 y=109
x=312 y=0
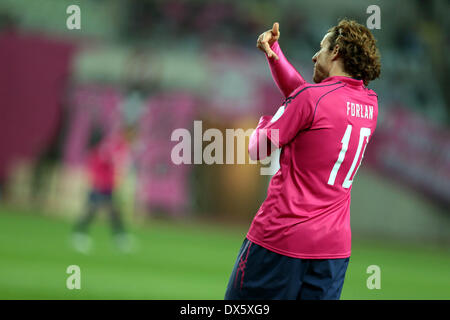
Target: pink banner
x=33 y=77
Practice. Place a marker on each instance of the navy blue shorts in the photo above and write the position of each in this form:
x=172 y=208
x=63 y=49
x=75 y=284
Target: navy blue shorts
x=261 y=274
x=97 y=197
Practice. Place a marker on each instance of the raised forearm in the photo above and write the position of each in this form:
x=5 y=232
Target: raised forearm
x=260 y=146
x=285 y=75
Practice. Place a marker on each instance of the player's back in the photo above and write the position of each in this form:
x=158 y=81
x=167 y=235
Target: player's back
x=330 y=150
x=307 y=210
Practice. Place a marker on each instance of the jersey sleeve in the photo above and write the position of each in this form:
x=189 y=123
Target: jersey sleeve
x=274 y=132
x=285 y=75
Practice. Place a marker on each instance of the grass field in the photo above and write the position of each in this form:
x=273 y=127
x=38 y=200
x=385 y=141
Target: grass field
x=182 y=261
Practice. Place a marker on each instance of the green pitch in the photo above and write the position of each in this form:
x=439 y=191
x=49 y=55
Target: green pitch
x=179 y=261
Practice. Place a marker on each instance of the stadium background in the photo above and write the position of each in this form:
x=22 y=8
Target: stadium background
x=160 y=65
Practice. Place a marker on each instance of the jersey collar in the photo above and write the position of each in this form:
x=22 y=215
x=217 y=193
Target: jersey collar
x=350 y=81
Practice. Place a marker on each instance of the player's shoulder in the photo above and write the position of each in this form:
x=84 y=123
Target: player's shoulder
x=371 y=92
x=312 y=90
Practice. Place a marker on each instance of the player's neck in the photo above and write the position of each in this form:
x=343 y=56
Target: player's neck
x=337 y=69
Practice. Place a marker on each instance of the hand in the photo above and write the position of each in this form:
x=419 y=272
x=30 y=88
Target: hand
x=266 y=39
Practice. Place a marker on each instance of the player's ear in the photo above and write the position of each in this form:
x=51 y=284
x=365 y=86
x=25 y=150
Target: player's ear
x=335 y=53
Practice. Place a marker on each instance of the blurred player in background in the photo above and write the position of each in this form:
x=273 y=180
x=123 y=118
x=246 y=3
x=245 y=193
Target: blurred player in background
x=107 y=158
x=299 y=243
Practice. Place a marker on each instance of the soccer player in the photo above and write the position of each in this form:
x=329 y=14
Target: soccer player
x=107 y=156
x=299 y=243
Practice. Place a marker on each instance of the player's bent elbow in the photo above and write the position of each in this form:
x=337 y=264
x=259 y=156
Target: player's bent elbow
x=256 y=153
x=260 y=145
x=253 y=153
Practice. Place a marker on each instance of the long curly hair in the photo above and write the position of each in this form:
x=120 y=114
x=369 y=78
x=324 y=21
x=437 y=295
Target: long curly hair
x=357 y=47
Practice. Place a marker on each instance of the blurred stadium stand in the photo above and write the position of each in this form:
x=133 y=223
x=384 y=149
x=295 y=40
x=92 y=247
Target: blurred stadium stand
x=137 y=51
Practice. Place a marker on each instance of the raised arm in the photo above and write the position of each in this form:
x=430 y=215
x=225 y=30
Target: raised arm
x=277 y=131
x=286 y=77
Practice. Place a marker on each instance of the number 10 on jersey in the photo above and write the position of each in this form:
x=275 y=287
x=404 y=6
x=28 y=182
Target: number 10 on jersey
x=364 y=134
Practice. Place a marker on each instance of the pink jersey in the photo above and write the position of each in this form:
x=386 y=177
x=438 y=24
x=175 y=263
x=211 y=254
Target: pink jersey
x=104 y=161
x=322 y=130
